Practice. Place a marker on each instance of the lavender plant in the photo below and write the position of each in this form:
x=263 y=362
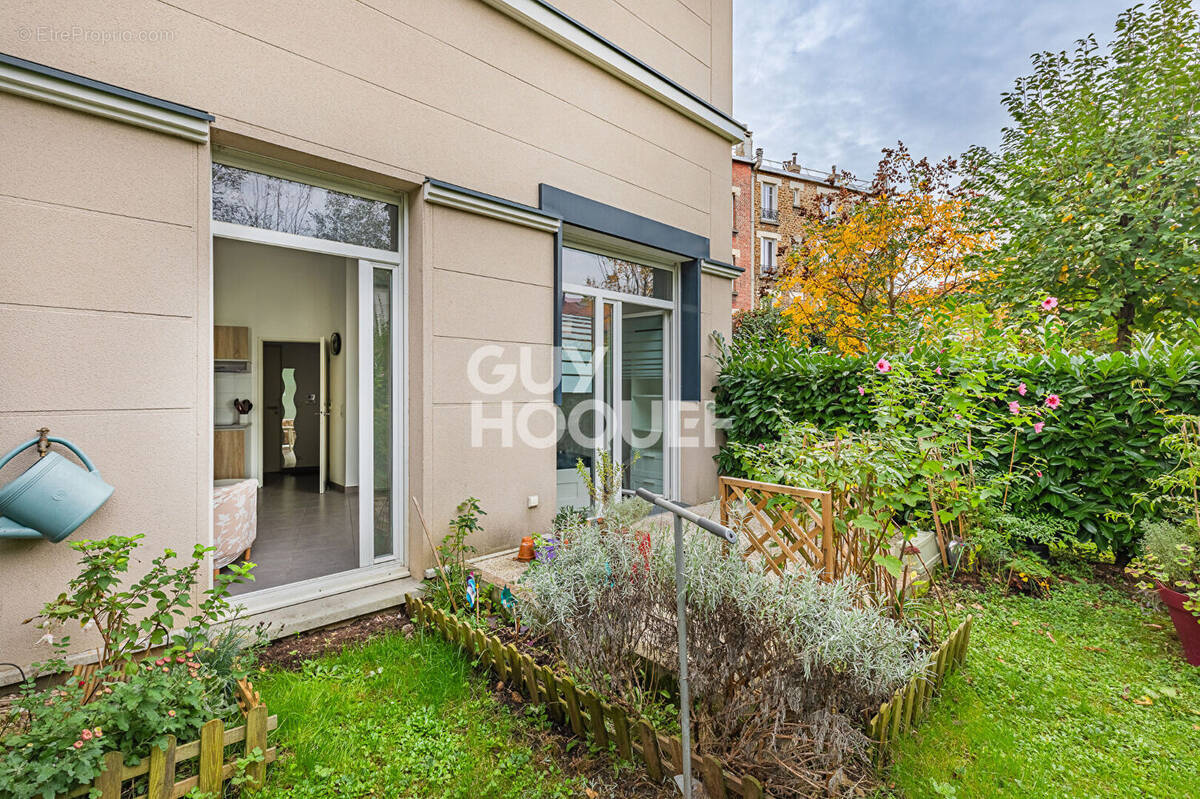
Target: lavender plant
x=778 y=667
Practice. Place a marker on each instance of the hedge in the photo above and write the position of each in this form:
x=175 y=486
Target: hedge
x=1100 y=450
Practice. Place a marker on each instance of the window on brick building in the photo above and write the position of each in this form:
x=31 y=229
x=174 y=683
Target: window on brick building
x=770 y=205
x=766 y=255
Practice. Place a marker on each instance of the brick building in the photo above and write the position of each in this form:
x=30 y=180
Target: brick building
x=769 y=199
x=743 y=231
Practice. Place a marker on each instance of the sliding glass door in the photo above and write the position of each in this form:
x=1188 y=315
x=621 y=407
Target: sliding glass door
x=616 y=374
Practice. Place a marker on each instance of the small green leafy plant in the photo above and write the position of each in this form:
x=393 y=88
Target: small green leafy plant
x=152 y=611
x=454 y=552
x=1169 y=558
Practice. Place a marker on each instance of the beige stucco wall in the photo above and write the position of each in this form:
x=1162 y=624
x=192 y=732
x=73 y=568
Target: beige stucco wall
x=103 y=312
x=111 y=226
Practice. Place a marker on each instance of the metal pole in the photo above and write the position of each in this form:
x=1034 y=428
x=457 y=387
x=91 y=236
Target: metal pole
x=685 y=704
x=684 y=780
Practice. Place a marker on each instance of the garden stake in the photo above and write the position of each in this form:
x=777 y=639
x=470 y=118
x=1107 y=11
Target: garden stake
x=436 y=558
x=685 y=779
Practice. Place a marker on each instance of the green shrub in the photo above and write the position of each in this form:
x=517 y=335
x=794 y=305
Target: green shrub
x=1102 y=447
x=1161 y=539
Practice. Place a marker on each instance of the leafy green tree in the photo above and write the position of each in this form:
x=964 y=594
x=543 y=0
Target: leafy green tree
x=1095 y=190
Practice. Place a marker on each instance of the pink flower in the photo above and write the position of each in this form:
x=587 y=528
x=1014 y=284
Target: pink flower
x=1014 y=407
x=1050 y=303
x=1021 y=389
x=171 y=713
x=78 y=744
x=1037 y=426
x=1039 y=472
x=99 y=732
x=937 y=371
x=883 y=365
x=159 y=662
x=86 y=735
x=861 y=391
x=1053 y=401
x=958 y=416
x=910 y=350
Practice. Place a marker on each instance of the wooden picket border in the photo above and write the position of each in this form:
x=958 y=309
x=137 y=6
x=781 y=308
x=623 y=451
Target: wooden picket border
x=583 y=711
x=212 y=771
x=911 y=701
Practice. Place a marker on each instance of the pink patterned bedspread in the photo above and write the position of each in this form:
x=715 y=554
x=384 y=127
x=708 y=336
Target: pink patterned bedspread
x=235 y=520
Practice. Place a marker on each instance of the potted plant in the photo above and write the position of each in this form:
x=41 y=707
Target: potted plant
x=1169 y=563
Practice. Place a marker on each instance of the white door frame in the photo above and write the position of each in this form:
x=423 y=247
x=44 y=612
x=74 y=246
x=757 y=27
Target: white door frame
x=260 y=402
x=384 y=569
x=672 y=418
x=366 y=413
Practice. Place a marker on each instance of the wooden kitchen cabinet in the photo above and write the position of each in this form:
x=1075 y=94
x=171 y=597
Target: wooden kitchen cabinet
x=229 y=453
x=231 y=343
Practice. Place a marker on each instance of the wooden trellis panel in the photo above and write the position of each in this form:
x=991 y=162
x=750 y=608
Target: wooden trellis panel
x=785 y=525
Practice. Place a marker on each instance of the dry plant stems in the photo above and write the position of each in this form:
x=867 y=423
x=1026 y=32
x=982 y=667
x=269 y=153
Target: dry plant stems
x=783 y=670
x=436 y=558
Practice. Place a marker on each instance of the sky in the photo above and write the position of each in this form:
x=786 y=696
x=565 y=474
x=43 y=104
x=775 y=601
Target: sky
x=836 y=80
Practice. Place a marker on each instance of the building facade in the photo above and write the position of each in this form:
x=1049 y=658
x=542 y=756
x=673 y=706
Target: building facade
x=771 y=199
x=425 y=241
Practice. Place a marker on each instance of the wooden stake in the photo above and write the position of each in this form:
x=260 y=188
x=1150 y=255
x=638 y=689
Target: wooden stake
x=436 y=558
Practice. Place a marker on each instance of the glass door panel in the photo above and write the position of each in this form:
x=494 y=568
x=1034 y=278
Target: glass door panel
x=643 y=384
x=380 y=424
x=577 y=425
x=383 y=390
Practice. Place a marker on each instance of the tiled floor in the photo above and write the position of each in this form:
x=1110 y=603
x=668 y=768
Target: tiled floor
x=301 y=533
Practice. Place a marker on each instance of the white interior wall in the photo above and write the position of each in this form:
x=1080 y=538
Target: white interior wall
x=283 y=294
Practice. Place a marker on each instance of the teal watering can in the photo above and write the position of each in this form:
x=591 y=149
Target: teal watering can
x=52 y=497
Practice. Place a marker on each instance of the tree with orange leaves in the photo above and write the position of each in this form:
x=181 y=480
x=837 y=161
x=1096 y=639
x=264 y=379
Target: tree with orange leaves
x=868 y=261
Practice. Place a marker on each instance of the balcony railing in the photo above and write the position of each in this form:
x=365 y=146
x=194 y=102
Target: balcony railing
x=770 y=215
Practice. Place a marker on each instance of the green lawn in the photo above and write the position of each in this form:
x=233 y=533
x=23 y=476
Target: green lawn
x=402 y=717
x=1047 y=705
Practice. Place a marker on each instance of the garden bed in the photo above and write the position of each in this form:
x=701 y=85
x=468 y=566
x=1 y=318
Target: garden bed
x=590 y=716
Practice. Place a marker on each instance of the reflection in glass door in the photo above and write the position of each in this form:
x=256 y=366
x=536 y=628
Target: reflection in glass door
x=576 y=438
x=643 y=387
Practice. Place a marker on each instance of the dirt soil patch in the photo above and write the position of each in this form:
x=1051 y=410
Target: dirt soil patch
x=292 y=650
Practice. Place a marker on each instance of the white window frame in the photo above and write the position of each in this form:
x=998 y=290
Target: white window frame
x=587 y=241
x=767 y=243
x=773 y=190
x=371 y=571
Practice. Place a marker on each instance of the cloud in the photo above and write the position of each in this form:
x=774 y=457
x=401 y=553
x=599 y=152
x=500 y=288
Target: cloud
x=835 y=81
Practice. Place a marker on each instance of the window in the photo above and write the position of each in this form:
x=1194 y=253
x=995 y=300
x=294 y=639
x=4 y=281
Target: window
x=770 y=207
x=262 y=201
x=605 y=272
x=797 y=198
x=734 y=213
x=766 y=249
